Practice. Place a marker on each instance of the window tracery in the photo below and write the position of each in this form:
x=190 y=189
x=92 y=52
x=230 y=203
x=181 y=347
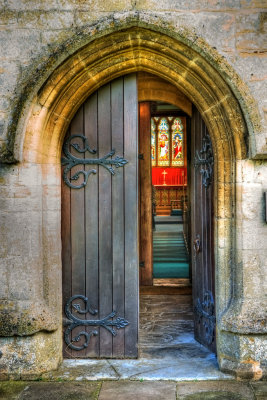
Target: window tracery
x=167 y=141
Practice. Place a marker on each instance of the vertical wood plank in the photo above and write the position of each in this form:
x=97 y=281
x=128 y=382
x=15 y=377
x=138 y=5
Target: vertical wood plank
x=77 y=229
x=99 y=222
x=145 y=184
x=202 y=224
x=91 y=222
x=117 y=213
x=193 y=216
x=202 y=271
x=105 y=219
x=131 y=215
x=66 y=250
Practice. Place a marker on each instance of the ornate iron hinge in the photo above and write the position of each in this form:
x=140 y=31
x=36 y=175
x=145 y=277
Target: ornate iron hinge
x=206 y=315
x=72 y=322
x=71 y=161
x=207 y=162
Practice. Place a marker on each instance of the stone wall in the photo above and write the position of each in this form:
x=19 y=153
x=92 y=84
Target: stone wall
x=35 y=38
x=33 y=31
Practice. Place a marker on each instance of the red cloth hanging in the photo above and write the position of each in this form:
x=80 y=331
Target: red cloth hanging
x=173 y=177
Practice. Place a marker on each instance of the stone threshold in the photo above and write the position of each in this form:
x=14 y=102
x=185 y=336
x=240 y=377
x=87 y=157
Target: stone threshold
x=141 y=369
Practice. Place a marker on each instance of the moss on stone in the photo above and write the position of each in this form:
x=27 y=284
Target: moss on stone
x=214 y=396
x=10 y=390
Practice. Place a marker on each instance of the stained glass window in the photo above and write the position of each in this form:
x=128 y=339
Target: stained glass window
x=167 y=141
x=177 y=143
x=163 y=143
x=153 y=142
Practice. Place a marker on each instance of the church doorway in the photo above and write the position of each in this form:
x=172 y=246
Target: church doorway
x=106 y=190
x=170 y=236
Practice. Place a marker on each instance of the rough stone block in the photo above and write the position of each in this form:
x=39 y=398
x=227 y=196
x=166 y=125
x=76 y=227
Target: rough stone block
x=21 y=241
x=196 y=5
x=28 y=357
x=45 y=20
x=61 y=391
x=4 y=105
x=260 y=390
x=251 y=33
x=214 y=390
x=22 y=5
x=11 y=391
x=137 y=390
x=30 y=175
x=9 y=72
x=52 y=198
x=252 y=201
x=84 y=18
x=56 y=36
x=13 y=41
x=4 y=279
x=51 y=174
x=8 y=17
x=20 y=286
x=253 y=237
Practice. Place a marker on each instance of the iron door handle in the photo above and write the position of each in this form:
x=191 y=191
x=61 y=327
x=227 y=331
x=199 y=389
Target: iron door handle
x=197 y=244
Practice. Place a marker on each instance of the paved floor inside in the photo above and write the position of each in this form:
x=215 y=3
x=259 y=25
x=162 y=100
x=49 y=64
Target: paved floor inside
x=167 y=349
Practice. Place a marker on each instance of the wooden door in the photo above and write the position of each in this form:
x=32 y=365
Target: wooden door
x=202 y=232
x=99 y=225
x=145 y=197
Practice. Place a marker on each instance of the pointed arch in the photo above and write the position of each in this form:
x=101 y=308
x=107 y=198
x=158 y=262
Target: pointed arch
x=120 y=53
x=141 y=49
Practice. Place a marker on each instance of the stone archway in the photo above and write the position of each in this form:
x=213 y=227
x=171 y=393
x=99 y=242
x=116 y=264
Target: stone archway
x=102 y=60
x=145 y=50
x=121 y=53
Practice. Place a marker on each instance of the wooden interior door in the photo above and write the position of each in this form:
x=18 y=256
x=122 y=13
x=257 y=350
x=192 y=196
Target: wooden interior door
x=202 y=232
x=145 y=196
x=99 y=225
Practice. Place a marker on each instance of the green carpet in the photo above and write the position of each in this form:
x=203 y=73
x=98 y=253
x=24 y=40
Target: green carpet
x=170 y=259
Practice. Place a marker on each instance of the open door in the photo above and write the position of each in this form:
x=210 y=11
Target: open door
x=202 y=232
x=99 y=225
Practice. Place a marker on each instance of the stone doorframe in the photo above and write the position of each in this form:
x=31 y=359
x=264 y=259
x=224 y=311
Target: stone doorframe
x=205 y=81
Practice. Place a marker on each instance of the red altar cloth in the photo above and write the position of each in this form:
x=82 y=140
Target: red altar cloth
x=173 y=177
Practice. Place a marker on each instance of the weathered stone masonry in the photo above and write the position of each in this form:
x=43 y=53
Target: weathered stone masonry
x=53 y=55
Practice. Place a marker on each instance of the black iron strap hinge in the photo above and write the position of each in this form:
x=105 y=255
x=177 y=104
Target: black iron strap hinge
x=204 y=158
x=70 y=160
x=73 y=321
